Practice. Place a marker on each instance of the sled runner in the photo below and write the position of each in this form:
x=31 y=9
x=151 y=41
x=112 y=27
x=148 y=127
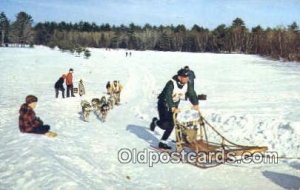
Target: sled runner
x=155 y=148
x=194 y=133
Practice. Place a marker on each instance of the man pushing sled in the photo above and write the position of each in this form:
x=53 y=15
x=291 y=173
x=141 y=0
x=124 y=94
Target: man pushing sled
x=168 y=101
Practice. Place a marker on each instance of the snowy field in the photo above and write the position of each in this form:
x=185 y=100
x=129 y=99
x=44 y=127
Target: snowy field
x=251 y=101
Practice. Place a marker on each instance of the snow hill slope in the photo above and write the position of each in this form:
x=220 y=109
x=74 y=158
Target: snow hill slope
x=252 y=101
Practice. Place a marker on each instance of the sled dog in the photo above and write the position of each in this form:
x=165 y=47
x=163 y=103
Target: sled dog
x=86 y=109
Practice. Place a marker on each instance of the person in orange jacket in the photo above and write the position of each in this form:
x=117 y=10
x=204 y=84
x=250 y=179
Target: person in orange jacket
x=69 y=83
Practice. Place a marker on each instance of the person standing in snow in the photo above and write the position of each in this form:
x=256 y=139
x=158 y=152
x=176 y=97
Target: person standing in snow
x=192 y=76
x=168 y=101
x=81 y=88
x=116 y=89
x=59 y=86
x=69 y=83
x=28 y=122
x=108 y=88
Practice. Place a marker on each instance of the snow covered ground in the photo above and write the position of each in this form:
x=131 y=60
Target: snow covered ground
x=251 y=100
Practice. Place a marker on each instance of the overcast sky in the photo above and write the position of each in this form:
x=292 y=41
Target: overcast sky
x=206 y=13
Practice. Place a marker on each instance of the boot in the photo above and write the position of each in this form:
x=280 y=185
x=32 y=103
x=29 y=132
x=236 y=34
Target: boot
x=51 y=134
x=153 y=123
x=163 y=146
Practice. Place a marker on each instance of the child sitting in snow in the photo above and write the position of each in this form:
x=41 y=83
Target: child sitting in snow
x=28 y=122
x=81 y=88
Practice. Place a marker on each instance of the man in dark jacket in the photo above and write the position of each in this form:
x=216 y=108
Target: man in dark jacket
x=191 y=74
x=177 y=88
x=59 y=86
x=28 y=122
x=108 y=87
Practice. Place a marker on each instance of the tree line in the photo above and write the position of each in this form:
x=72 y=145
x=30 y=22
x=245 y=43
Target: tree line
x=279 y=42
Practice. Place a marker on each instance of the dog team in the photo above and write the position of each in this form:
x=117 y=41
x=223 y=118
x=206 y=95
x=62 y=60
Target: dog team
x=99 y=106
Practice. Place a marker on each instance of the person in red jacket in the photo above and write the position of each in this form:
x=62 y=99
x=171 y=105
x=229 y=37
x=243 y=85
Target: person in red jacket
x=28 y=122
x=69 y=83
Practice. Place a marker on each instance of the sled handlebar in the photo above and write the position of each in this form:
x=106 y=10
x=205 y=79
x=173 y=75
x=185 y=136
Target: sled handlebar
x=183 y=110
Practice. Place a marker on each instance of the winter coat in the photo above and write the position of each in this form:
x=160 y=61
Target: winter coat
x=108 y=85
x=192 y=76
x=28 y=119
x=116 y=88
x=81 y=89
x=166 y=95
x=69 y=79
x=59 y=83
x=108 y=88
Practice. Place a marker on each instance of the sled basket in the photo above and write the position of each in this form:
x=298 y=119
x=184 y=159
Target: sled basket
x=195 y=133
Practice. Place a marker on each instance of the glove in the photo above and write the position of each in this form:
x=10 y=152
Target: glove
x=175 y=110
x=202 y=97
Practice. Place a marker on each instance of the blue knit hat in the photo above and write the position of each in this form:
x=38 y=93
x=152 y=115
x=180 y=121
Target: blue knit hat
x=183 y=73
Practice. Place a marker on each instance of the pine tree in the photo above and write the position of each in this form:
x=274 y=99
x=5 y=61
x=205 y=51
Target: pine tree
x=21 y=30
x=238 y=33
x=4 y=26
x=164 y=43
